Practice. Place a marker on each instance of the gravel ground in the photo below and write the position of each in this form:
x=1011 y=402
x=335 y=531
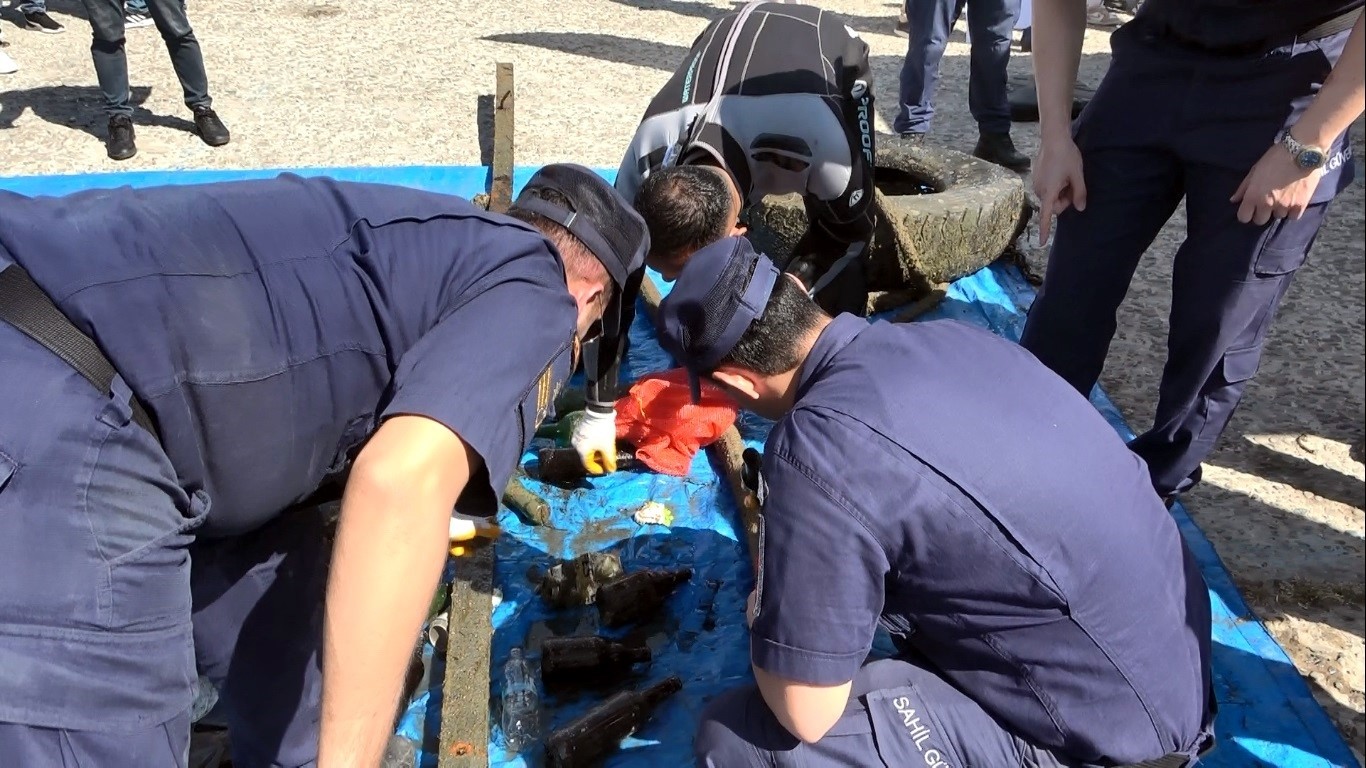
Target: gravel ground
x=362 y=82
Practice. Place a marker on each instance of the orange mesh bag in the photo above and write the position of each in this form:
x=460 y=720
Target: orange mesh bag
x=659 y=417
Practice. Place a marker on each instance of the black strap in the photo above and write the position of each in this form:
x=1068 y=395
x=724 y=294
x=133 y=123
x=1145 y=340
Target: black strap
x=24 y=306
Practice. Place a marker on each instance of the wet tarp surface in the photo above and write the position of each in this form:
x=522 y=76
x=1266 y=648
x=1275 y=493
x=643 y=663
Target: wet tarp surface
x=1267 y=715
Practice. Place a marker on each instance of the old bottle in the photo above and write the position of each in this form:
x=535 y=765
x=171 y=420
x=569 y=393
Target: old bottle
x=600 y=730
x=587 y=660
x=638 y=596
x=521 y=703
x=563 y=465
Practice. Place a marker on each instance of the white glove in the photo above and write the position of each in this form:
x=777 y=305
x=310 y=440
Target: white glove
x=595 y=438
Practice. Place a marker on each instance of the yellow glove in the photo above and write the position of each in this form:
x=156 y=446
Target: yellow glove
x=595 y=439
x=468 y=532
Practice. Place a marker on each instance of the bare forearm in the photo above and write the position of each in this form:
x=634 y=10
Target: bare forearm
x=386 y=564
x=391 y=545
x=1342 y=97
x=1058 y=29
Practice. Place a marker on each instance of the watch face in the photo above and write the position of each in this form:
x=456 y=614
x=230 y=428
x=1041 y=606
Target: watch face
x=1310 y=158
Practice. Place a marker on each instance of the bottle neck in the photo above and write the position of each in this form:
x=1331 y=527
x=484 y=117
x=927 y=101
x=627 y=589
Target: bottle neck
x=660 y=691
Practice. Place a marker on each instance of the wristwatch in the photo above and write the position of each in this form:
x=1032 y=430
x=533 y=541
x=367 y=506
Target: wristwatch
x=1305 y=156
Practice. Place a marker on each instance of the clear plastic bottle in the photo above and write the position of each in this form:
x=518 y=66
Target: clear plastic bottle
x=206 y=696
x=521 y=703
x=401 y=752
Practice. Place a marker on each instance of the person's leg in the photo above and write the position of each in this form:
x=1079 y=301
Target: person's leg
x=1133 y=184
x=181 y=43
x=94 y=574
x=930 y=21
x=36 y=18
x=174 y=26
x=899 y=714
x=106 y=50
x=1229 y=277
x=258 y=609
x=136 y=15
x=1227 y=280
x=991 y=23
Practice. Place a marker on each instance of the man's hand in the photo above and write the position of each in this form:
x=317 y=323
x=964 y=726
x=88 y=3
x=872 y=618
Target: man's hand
x=392 y=541
x=751 y=608
x=595 y=438
x=1275 y=188
x=1058 y=182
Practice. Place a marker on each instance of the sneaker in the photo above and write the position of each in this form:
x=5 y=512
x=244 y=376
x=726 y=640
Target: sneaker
x=903 y=26
x=7 y=65
x=912 y=139
x=211 y=129
x=1100 y=17
x=39 y=21
x=999 y=149
x=135 y=20
x=120 y=142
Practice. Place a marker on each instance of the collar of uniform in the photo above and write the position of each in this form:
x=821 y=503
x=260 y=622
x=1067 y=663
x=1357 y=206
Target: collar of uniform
x=835 y=337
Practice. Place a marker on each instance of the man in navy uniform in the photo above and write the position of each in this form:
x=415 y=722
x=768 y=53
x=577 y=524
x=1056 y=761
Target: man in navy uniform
x=773 y=98
x=183 y=363
x=1046 y=609
x=1243 y=109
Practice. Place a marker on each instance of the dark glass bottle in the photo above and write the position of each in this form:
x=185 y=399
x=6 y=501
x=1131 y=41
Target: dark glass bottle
x=637 y=596
x=563 y=465
x=600 y=730
x=587 y=660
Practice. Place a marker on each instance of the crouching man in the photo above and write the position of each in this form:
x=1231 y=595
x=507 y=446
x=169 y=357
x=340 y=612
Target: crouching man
x=182 y=365
x=1046 y=610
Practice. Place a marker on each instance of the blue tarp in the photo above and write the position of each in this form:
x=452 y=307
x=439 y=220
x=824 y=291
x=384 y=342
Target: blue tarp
x=1267 y=715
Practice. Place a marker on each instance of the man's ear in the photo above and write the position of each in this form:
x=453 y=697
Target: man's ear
x=740 y=383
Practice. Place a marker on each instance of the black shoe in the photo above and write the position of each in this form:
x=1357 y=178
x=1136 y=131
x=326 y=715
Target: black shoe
x=120 y=142
x=1027 y=40
x=41 y=22
x=999 y=149
x=210 y=128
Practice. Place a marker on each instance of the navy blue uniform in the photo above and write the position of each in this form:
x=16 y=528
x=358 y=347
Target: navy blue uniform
x=268 y=326
x=1196 y=92
x=1047 y=609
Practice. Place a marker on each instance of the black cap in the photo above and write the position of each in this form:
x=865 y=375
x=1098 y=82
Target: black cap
x=720 y=292
x=601 y=218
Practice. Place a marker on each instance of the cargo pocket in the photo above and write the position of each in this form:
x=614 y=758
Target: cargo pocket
x=1286 y=245
x=906 y=733
x=150 y=586
x=1239 y=365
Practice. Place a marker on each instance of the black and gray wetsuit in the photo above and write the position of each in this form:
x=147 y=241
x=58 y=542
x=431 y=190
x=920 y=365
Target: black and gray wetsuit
x=794 y=114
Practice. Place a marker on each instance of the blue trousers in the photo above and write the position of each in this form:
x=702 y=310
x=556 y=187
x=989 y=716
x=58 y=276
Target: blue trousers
x=110 y=607
x=990 y=23
x=899 y=714
x=1166 y=123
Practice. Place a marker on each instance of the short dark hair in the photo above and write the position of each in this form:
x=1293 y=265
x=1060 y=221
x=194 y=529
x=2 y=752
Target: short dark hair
x=578 y=260
x=772 y=344
x=685 y=207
